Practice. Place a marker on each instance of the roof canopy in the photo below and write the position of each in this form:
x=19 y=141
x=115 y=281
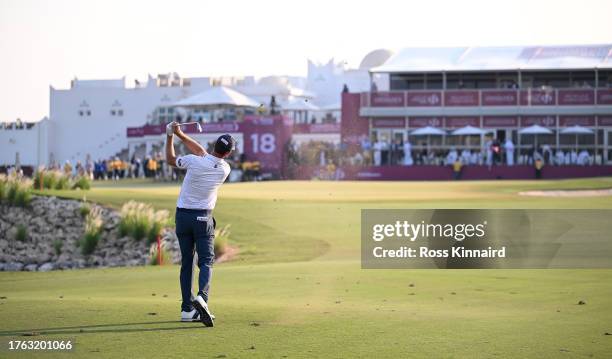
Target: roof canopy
x=299 y=104
x=438 y=59
x=218 y=96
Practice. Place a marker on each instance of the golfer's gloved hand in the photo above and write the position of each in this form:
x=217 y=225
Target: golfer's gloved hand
x=170 y=128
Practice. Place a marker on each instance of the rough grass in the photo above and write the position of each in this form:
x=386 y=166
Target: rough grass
x=298 y=289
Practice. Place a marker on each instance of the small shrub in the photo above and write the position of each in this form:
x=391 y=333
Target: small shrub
x=62 y=182
x=23 y=198
x=140 y=220
x=50 y=179
x=84 y=209
x=221 y=239
x=83 y=183
x=22 y=233
x=57 y=246
x=19 y=192
x=2 y=188
x=93 y=225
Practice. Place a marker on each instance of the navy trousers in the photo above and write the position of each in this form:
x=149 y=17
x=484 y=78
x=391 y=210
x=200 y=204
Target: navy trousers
x=195 y=230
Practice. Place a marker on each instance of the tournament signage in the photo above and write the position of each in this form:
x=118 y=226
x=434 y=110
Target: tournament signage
x=424 y=98
x=500 y=98
x=576 y=97
x=387 y=99
x=461 y=98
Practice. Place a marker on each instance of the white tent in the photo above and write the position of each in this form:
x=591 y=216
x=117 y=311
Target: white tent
x=218 y=96
x=468 y=130
x=428 y=131
x=299 y=104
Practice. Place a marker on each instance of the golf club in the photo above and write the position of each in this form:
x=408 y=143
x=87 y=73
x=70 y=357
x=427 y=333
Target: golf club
x=199 y=127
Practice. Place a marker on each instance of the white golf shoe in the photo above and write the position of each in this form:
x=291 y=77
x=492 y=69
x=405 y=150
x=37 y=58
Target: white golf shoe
x=193 y=316
x=200 y=305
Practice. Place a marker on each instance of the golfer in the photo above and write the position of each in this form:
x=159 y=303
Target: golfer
x=195 y=225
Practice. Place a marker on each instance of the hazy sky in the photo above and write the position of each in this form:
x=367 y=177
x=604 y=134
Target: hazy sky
x=46 y=43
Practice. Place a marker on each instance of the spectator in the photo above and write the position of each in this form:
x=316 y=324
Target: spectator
x=539 y=164
x=407 y=153
x=457 y=167
x=509 y=147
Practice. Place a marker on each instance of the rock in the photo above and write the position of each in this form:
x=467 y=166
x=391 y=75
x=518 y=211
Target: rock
x=13 y=267
x=46 y=267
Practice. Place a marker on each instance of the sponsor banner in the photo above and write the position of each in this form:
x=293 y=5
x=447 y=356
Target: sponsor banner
x=461 y=98
x=414 y=122
x=500 y=98
x=604 y=121
x=424 y=98
x=538 y=97
x=389 y=122
x=577 y=120
x=387 y=99
x=545 y=121
x=500 y=121
x=604 y=97
x=456 y=122
x=316 y=128
x=576 y=97
x=485 y=238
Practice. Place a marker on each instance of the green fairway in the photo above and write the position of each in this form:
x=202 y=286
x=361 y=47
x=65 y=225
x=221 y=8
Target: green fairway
x=297 y=289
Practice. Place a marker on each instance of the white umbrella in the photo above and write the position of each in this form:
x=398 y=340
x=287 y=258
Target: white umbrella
x=534 y=130
x=577 y=130
x=428 y=131
x=468 y=130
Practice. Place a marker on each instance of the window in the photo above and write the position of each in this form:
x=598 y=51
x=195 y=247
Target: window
x=81 y=113
x=112 y=112
x=162 y=110
x=88 y=113
x=120 y=112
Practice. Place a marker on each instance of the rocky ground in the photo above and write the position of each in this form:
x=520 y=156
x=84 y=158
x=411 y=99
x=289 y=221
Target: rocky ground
x=53 y=229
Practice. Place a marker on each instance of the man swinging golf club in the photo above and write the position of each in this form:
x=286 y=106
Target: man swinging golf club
x=195 y=225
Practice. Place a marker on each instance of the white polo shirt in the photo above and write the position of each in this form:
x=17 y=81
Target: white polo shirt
x=205 y=174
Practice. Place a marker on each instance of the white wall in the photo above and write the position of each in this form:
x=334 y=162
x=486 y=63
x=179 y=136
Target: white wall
x=31 y=144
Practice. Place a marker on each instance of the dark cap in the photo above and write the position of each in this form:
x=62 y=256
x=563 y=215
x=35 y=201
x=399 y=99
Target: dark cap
x=225 y=144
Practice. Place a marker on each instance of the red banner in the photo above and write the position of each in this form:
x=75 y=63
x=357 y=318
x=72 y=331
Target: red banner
x=545 y=121
x=424 y=98
x=604 y=97
x=387 y=99
x=414 y=122
x=456 y=122
x=461 y=98
x=604 y=121
x=538 y=97
x=500 y=98
x=389 y=122
x=500 y=121
x=576 y=120
x=576 y=97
